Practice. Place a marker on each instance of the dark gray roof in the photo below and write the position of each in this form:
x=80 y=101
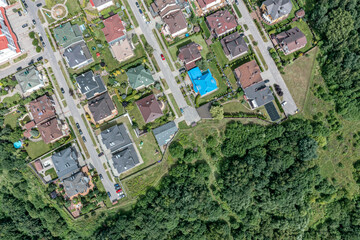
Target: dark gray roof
x=125 y=159
x=77 y=183
x=258 y=94
x=271 y=110
x=101 y=107
x=164 y=133
x=278 y=8
x=115 y=137
x=65 y=162
x=234 y=44
x=98 y=3
x=90 y=85
x=78 y=55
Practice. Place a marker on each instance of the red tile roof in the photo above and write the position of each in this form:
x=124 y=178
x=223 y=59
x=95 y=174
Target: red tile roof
x=42 y=109
x=149 y=108
x=38 y=165
x=248 y=74
x=204 y=3
x=114 y=28
x=30 y=125
x=221 y=22
x=13 y=36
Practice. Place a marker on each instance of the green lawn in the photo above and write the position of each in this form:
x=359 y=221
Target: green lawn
x=197 y=38
x=205 y=28
x=73 y=8
x=136 y=116
x=37 y=149
x=230 y=74
x=234 y=107
x=119 y=107
x=177 y=109
x=219 y=53
x=11 y=101
x=11 y=119
x=52 y=173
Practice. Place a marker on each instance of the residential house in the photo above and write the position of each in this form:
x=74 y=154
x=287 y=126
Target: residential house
x=101 y=4
x=77 y=55
x=29 y=79
x=124 y=160
x=207 y=6
x=290 y=40
x=66 y=162
x=234 y=45
x=258 y=94
x=165 y=133
x=221 y=22
x=139 y=77
x=76 y=184
x=67 y=34
x=189 y=54
x=171 y=14
x=119 y=149
x=122 y=50
x=9 y=47
x=38 y=165
x=42 y=109
x=114 y=29
x=52 y=130
x=90 y=85
x=203 y=82
x=274 y=11
x=149 y=108
x=248 y=74
x=115 y=138
x=101 y=108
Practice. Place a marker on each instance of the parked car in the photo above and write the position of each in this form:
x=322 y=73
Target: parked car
x=283 y=103
x=34 y=22
x=25 y=5
x=116 y=185
x=100 y=154
x=39 y=59
x=181 y=110
x=39 y=4
x=80 y=131
x=43 y=43
x=41 y=38
x=101 y=177
x=119 y=190
x=121 y=195
x=77 y=125
x=19 y=68
x=280 y=93
x=162 y=57
x=267 y=81
x=140 y=11
x=62 y=90
x=31 y=62
x=83 y=138
x=23 y=1
x=109 y=194
x=25 y=25
x=19 y=13
x=137 y=4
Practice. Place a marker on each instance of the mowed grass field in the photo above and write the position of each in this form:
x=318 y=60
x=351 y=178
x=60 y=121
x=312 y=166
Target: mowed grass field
x=297 y=77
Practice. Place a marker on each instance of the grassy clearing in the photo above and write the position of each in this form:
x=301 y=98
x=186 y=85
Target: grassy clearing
x=52 y=173
x=4 y=65
x=41 y=16
x=177 y=109
x=237 y=10
x=118 y=105
x=12 y=100
x=37 y=149
x=230 y=74
x=258 y=53
x=136 y=116
x=11 y=119
x=73 y=7
x=297 y=77
x=205 y=28
x=18 y=59
x=219 y=53
x=234 y=107
x=163 y=81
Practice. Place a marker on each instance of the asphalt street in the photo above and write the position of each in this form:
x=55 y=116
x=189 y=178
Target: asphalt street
x=272 y=74
x=71 y=104
x=190 y=113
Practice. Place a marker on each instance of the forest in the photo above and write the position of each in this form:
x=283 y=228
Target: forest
x=261 y=182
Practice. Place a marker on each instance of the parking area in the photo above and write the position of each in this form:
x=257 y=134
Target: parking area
x=17 y=22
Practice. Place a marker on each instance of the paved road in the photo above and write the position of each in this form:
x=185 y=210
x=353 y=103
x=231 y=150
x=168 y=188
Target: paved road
x=273 y=73
x=190 y=113
x=75 y=112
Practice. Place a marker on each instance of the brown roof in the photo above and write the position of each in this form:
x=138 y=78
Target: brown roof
x=300 y=13
x=30 y=125
x=114 y=28
x=291 y=40
x=248 y=74
x=164 y=7
x=234 y=45
x=190 y=52
x=101 y=107
x=176 y=22
x=204 y=3
x=41 y=109
x=50 y=130
x=149 y=108
x=221 y=22
x=38 y=165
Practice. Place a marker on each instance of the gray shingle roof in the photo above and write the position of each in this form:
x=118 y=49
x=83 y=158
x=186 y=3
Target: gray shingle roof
x=164 y=133
x=65 y=162
x=77 y=183
x=101 y=107
x=125 y=159
x=78 y=55
x=29 y=78
x=278 y=8
x=90 y=85
x=234 y=45
x=115 y=137
x=258 y=94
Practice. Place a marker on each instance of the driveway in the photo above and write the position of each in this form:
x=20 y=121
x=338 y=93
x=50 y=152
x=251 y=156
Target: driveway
x=272 y=74
x=53 y=59
x=190 y=113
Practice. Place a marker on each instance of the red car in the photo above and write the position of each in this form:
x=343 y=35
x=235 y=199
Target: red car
x=119 y=190
x=162 y=57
